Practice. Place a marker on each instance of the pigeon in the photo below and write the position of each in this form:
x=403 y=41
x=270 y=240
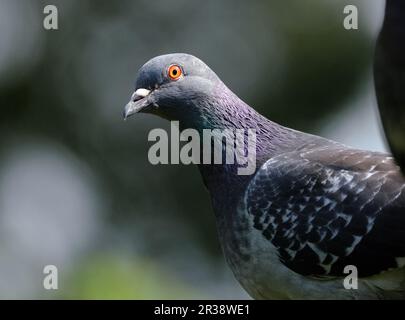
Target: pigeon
x=315 y=220
x=389 y=77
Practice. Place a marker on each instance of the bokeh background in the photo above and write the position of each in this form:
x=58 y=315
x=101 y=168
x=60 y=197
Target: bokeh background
x=76 y=188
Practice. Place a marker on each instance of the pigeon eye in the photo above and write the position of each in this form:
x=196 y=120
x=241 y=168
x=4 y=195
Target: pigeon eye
x=174 y=72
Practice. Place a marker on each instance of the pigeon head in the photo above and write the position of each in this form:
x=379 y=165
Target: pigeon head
x=176 y=87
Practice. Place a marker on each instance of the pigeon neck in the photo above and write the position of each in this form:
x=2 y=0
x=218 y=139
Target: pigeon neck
x=228 y=112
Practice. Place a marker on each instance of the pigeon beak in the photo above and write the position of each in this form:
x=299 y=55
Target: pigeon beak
x=138 y=102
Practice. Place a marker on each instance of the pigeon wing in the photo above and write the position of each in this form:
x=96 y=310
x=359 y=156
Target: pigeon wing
x=323 y=208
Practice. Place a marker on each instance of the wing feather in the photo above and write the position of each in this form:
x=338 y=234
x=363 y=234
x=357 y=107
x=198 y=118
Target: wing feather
x=327 y=207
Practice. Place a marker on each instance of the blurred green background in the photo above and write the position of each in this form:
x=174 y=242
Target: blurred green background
x=76 y=188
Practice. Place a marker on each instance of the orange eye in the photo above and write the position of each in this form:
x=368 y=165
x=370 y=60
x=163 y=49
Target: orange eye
x=174 y=72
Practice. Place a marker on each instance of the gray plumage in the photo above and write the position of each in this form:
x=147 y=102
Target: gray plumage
x=312 y=206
